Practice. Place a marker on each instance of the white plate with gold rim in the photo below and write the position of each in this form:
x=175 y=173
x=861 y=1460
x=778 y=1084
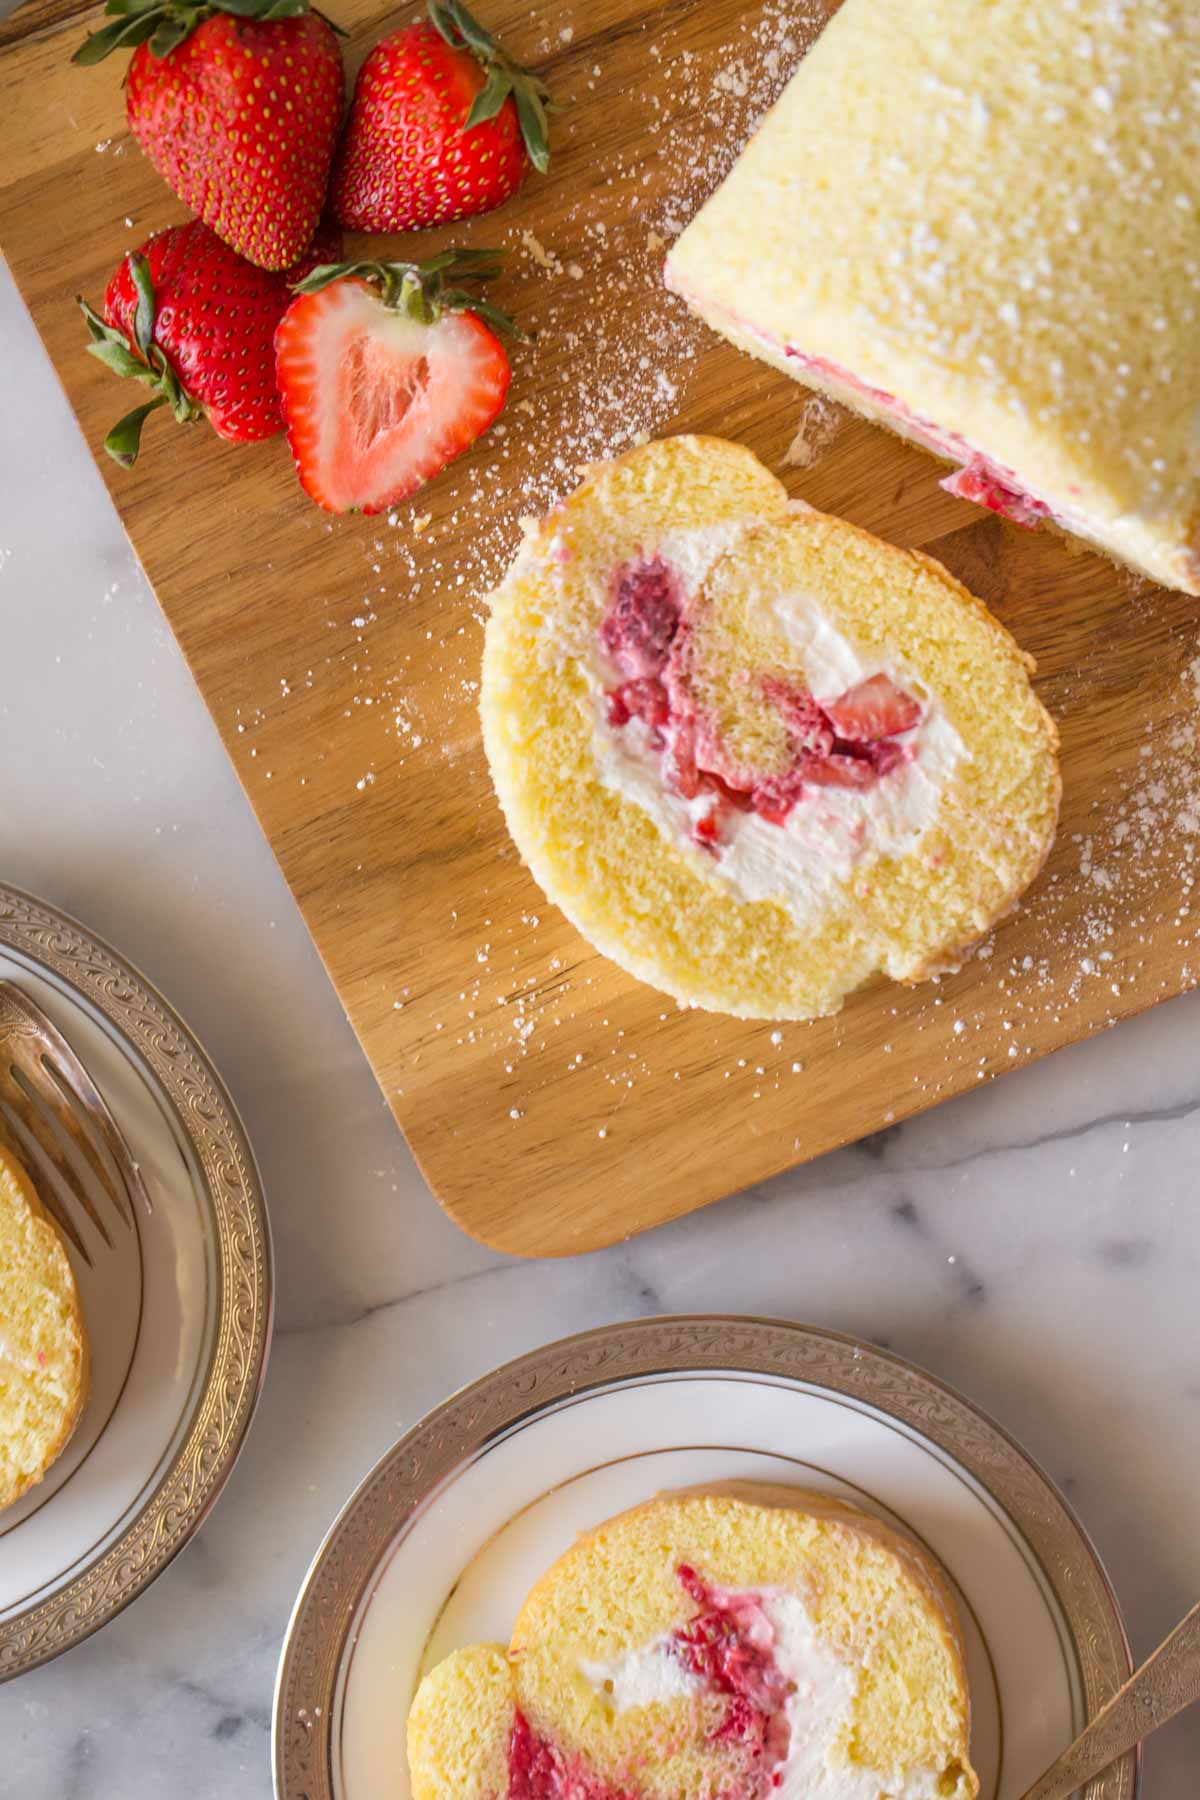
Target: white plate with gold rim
x=177 y=1310
x=440 y=1543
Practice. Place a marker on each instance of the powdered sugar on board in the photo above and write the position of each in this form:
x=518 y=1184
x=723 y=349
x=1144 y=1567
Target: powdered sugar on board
x=615 y=353
x=542 y=1029
x=612 y=364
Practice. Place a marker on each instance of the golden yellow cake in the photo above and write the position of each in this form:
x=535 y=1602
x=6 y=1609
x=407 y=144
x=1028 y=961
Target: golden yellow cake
x=43 y=1347
x=978 y=222
x=754 y=754
x=741 y=1642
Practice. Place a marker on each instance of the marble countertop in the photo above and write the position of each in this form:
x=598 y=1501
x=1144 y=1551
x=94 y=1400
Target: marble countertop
x=1036 y=1243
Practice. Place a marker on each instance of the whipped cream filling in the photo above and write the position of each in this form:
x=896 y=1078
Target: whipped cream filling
x=824 y=1686
x=642 y=1677
x=801 y=863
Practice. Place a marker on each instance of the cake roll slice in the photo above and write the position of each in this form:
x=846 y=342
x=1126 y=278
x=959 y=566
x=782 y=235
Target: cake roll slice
x=978 y=222
x=44 y=1359
x=756 y=755
x=742 y=1642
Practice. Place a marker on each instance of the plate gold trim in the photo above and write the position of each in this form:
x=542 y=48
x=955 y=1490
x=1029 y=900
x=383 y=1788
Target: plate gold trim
x=410 y=1474
x=225 y=1403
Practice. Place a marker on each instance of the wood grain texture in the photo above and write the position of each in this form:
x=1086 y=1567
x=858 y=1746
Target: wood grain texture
x=553 y=1104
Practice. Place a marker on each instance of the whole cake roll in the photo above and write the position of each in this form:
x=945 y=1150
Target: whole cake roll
x=978 y=222
x=755 y=754
x=744 y=1642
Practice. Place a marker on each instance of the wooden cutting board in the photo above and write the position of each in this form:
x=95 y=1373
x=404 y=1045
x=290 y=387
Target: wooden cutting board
x=553 y=1104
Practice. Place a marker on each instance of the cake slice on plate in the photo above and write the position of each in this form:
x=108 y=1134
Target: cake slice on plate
x=745 y=1642
x=755 y=754
x=43 y=1347
x=978 y=222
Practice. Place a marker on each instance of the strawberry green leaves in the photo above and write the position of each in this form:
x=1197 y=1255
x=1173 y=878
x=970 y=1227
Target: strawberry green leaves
x=125 y=439
x=462 y=31
x=143 y=362
x=164 y=24
x=421 y=290
x=135 y=21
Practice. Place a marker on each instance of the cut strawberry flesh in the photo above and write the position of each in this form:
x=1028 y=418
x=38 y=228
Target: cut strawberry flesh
x=380 y=388
x=849 y=742
x=876 y=708
x=377 y=402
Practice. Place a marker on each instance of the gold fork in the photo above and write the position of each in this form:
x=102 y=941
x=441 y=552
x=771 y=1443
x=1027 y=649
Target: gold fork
x=1166 y=1683
x=59 y=1124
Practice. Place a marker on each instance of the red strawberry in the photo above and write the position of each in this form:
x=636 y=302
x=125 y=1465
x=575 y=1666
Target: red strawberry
x=875 y=708
x=443 y=124
x=237 y=105
x=839 y=770
x=189 y=318
x=386 y=374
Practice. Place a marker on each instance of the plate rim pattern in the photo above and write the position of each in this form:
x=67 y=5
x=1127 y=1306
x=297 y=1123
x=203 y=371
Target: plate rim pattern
x=428 y=1455
x=189 y=1486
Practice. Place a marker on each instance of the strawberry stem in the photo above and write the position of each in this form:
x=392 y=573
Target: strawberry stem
x=462 y=31
x=420 y=289
x=165 y=23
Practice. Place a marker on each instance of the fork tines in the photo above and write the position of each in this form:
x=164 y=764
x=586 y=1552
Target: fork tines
x=60 y=1124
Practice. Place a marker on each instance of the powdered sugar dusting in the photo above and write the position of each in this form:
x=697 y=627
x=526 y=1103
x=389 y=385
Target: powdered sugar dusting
x=382 y=691
x=616 y=354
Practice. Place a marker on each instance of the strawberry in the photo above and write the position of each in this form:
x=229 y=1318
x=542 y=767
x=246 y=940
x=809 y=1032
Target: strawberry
x=189 y=318
x=237 y=105
x=443 y=124
x=386 y=374
x=876 y=708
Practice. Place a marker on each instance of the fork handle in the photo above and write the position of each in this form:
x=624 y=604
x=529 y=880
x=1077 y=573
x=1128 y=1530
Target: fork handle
x=1166 y=1683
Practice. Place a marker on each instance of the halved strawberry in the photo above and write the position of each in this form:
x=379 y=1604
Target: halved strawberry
x=875 y=708
x=386 y=374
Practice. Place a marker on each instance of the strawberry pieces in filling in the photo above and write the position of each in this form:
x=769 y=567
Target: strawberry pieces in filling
x=644 y=699
x=982 y=483
x=875 y=709
x=639 y=627
x=729 y=1645
x=537 y=1770
x=979 y=480
x=852 y=741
